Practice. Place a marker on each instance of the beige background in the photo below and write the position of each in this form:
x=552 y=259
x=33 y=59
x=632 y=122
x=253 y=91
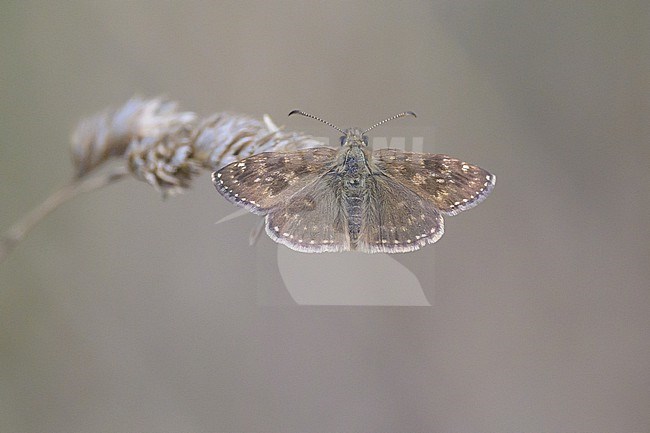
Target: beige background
x=124 y=313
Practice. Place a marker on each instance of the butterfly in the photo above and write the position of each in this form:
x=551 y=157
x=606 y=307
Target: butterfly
x=352 y=198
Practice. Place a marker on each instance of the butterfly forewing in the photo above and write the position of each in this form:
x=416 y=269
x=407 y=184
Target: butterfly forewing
x=450 y=184
x=395 y=219
x=259 y=182
x=311 y=220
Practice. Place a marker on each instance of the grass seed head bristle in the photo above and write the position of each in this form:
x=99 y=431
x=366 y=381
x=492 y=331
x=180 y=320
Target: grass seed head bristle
x=167 y=148
x=109 y=134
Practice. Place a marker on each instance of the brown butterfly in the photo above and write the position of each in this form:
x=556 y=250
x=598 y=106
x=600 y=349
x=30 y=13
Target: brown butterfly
x=352 y=198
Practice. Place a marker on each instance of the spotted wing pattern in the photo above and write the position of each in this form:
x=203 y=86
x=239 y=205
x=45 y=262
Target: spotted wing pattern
x=311 y=220
x=301 y=195
x=450 y=184
x=396 y=219
x=262 y=181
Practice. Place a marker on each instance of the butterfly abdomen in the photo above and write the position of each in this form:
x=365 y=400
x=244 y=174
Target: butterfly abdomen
x=353 y=201
x=353 y=207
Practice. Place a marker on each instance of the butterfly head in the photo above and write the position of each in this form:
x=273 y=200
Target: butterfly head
x=354 y=137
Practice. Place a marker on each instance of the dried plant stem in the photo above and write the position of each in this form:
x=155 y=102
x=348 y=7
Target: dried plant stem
x=78 y=186
x=159 y=145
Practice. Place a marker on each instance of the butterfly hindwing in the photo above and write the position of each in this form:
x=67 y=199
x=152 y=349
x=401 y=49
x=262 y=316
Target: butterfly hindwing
x=259 y=182
x=450 y=184
x=395 y=219
x=312 y=219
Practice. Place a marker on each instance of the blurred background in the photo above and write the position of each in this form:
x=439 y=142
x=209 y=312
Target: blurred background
x=122 y=312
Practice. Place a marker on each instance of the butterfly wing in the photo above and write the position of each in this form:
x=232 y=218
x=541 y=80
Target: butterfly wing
x=312 y=219
x=297 y=193
x=260 y=182
x=395 y=219
x=450 y=184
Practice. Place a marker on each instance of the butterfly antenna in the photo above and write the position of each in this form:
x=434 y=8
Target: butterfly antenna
x=302 y=113
x=397 y=116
